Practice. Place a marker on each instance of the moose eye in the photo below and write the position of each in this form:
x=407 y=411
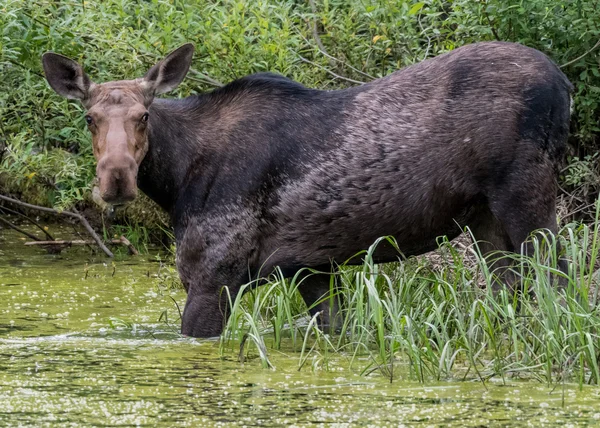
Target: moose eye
x=89 y=120
x=145 y=118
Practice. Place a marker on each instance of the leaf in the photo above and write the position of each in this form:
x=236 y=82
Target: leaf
x=376 y=38
x=416 y=8
x=30 y=176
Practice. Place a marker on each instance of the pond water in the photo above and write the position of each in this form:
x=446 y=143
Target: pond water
x=81 y=344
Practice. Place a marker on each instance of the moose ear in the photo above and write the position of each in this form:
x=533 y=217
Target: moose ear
x=170 y=72
x=66 y=76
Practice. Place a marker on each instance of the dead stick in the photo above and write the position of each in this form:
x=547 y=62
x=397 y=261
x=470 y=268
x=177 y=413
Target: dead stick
x=122 y=241
x=12 y=226
x=35 y=223
x=61 y=242
x=85 y=223
x=75 y=214
x=129 y=245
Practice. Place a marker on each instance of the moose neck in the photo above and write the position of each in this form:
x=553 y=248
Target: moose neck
x=173 y=146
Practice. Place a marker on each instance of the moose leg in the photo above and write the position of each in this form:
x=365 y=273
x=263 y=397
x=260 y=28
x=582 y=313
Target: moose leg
x=207 y=305
x=204 y=315
x=315 y=289
x=210 y=256
x=527 y=204
x=492 y=240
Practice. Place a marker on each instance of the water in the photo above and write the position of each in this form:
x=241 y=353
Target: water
x=81 y=345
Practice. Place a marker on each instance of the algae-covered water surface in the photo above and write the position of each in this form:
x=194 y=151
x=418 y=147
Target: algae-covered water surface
x=87 y=341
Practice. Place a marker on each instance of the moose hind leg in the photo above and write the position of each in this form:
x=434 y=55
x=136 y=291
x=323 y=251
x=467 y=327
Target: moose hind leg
x=492 y=241
x=526 y=204
x=315 y=289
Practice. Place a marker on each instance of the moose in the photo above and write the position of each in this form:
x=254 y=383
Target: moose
x=265 y=172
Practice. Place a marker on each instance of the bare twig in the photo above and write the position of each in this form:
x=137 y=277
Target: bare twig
x=66 y=243
x=61 y=242
x=206 y=78
x=494 y=32
x=315 y=32
x=582 y=55
x=75 y=214
x=579 y=209
x=91 y=231
x=328 y=71
x=122 y=240
x=81 y=237
x=8 y=210
x=12 y=226
x=344 y=63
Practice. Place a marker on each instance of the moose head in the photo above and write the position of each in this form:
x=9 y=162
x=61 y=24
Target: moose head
x=117 y=115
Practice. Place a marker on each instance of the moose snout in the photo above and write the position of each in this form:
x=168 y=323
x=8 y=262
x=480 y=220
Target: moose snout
x=117 y=179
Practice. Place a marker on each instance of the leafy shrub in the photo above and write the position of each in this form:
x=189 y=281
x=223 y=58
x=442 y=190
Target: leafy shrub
x=325 y=44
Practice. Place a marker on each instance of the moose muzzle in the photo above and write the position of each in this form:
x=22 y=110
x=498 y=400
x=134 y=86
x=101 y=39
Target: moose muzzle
x=117 y=179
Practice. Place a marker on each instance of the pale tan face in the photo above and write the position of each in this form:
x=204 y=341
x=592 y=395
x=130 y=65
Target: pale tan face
x=117 y=117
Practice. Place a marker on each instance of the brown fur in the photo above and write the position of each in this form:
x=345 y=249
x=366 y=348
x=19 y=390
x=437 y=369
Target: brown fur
x=265 y=172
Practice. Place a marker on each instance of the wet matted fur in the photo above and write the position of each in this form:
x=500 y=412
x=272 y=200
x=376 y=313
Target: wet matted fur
x=265 y=172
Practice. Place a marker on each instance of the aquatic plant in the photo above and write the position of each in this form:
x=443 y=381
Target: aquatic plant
x=442 y=320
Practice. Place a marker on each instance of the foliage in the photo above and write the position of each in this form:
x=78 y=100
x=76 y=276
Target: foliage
x=49 y=155
x=444 y=321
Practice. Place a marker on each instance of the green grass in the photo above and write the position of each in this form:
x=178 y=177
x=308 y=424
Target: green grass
x=441 y=321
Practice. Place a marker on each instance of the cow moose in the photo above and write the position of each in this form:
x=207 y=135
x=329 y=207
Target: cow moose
x=265 y=172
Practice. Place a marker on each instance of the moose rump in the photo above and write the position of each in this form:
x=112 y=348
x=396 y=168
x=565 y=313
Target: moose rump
x=265 y=172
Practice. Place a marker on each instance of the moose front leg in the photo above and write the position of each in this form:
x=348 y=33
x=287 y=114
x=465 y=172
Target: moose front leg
x=207 y=305
x=206 y=312
x=211 y=255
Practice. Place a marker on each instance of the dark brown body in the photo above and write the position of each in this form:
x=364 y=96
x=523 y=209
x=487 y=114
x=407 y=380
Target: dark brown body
x=265 y=173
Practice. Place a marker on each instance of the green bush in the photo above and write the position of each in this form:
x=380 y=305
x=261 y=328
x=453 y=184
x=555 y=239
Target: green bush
x=47 y=154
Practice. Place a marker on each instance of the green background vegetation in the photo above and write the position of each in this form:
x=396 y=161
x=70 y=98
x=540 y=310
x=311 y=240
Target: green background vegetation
x=46 y=156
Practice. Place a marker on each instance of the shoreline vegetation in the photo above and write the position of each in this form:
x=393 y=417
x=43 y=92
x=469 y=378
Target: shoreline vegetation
x=438 y=316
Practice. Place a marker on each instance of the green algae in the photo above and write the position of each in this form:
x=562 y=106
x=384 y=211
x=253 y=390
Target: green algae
x=84 y=342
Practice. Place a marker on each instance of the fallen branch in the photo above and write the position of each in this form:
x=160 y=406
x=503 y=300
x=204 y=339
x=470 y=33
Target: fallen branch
x=32 y=221
x=124 y=241
x=75 y=214
x=64 y=244
x=12 y=226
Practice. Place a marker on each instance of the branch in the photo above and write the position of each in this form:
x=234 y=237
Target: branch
x=583 y=55
x=328 y=71
x=129 y=245
x=337 y=59
x=8 y=210
x=18 y=64
x=64 y=243
x=494 y=32
x=206 y=78
x=12 y=226
x=60 y=242
x=315 y=31
x=87 y=226
x=75 y=214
